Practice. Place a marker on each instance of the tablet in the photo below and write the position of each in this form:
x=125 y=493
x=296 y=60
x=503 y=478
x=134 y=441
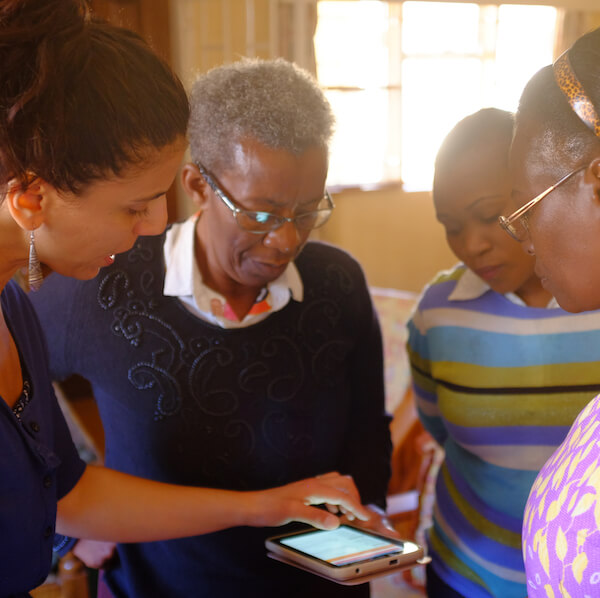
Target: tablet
x=344 y=553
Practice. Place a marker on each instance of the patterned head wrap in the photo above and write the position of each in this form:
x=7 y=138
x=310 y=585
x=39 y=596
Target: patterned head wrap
x=573 y=90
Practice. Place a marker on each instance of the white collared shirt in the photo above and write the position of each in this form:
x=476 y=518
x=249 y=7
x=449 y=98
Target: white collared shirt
x=470 y=286
x=183 y=280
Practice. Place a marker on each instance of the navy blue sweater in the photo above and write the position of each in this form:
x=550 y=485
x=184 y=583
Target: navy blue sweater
x=186 y=402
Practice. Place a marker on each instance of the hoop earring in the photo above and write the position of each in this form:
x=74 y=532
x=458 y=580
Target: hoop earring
x=34 y=271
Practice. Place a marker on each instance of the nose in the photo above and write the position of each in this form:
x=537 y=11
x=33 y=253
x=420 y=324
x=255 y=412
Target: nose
x=286 y=238
x=155 y=221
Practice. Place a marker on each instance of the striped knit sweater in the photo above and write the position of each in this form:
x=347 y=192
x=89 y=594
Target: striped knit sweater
x=498 y=384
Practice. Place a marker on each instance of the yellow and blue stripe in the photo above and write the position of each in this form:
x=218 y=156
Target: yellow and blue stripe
x=498 y=384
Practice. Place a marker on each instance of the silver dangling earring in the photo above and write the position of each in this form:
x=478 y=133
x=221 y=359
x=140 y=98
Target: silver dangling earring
x=34 y=271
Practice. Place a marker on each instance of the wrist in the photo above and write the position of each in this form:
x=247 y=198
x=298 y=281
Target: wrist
x=248 y=509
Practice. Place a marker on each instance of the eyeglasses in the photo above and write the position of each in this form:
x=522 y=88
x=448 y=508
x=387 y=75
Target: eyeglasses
x=516 y=225
x=264 y=222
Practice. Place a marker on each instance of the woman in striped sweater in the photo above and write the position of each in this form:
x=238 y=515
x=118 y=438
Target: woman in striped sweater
x=499 y=370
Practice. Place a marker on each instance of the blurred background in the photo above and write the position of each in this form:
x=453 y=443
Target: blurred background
x=398 y=74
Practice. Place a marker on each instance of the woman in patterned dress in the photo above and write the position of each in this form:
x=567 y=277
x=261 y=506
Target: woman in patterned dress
x=555 y=158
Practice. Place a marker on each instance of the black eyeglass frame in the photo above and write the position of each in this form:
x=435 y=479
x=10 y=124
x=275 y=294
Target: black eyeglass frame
x=277 y=221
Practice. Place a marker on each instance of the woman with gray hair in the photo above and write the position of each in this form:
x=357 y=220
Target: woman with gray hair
x=231 y=352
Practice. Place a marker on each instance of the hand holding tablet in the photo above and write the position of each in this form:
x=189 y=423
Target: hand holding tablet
x=346 y=553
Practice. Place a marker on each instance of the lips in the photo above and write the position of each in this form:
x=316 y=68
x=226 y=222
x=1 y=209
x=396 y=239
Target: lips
x=488 y=272
x=273 y=269
x=273 y=264
x=269 y=270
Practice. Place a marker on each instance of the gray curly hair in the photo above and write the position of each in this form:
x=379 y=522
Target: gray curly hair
x=272 y=101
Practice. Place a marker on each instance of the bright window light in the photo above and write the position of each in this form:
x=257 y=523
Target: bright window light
x=399 y=75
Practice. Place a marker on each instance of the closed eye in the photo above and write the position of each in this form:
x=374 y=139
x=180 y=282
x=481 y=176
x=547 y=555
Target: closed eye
x=493 y=219
x=450 y=232
x=139 y=213
x=450 y=228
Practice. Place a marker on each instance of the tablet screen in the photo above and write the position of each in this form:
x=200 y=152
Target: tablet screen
x=342 y=546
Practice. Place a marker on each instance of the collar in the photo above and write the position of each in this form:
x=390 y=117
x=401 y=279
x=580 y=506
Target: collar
x=471 y=286
x=184 y=280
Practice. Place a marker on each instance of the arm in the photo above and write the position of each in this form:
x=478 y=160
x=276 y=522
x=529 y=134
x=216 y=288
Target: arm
x=424 y=385
x=109 y=505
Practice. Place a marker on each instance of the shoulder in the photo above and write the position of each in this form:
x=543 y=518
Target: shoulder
x=453 y=275
x=12 y=294
x=145 y=251
x=437 y=291
x=14 y=301
x=23 y=321
x=140 y=267
x=321 y=257
x=328 y=271
x=17 y=307
x=65 y=295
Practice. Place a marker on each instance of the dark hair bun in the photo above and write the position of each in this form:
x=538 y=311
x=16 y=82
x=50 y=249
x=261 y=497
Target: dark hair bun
x=80 y=98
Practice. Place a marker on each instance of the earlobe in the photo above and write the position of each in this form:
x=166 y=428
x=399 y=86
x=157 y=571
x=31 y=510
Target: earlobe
x=194 y=184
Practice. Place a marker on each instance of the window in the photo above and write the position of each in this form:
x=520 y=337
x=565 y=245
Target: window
x=399 y=75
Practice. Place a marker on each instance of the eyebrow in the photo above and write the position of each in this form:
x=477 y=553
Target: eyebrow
x=149 y=198
x=273 y=203
x=484 y=198
x=470 y=206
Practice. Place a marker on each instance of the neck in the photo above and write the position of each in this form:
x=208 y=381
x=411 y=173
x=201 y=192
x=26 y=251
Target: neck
x=240 y=297
x=14 y=246
x=533 y=293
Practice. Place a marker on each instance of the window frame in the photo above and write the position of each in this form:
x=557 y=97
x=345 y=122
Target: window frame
x=488 y=53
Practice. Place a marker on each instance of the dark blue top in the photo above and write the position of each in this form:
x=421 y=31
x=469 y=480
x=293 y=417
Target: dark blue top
x=184 y=401
x=38 y=461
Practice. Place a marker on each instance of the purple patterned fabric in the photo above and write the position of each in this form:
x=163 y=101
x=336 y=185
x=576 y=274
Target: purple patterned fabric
x=561 y=529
